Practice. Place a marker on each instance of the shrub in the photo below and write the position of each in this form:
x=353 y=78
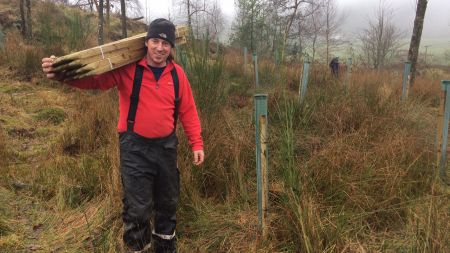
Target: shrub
x=205 y=75
x=85 y=153
x=79 y=30
x=93 y=126
x=53 y=115
x=49 y=30
x=24 y=59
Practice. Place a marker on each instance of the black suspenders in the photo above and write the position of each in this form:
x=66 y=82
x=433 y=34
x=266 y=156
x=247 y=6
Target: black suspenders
x=134 y=98
x=177 y=97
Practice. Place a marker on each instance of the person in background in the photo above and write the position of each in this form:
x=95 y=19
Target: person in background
x=334 y=67
x=153 y=93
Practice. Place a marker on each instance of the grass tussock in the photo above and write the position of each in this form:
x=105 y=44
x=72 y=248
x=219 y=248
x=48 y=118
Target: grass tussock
x=4 y=151
x=53 y=115
x=361 y=161
x=81 y=180
x=88 y=146
x=93 y=125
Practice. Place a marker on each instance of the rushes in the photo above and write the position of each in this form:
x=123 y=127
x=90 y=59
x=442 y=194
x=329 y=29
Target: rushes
x=101 y=59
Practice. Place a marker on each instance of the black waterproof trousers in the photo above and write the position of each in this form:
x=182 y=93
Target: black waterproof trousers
x=150 y=180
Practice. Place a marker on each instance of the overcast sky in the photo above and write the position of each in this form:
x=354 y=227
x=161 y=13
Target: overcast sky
x=357 y=13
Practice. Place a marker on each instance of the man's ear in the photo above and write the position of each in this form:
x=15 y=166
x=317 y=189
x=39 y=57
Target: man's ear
x=146 y=43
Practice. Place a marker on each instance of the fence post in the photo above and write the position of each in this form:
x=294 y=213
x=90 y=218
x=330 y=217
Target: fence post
x=2 y=37
x=277 y=59
x=304 y=81
x=407 y=70
x=262 y=160
x=444 y=115
x=245 y=57
x=349 y=72
x=217 y=45
x=255 y=62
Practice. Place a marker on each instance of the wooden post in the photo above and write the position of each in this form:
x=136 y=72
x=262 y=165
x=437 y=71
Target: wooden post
x=264 y=174
x=262 y=160
x=255 y=61
x=123 y=18
x=217 y=45
x=304 y=81
x=349 y=72
x=101 y=22
x=439 y=126
x=444 y=114
x=277 y=57
x=245 y=56
x=406 y=72
x=245 y=60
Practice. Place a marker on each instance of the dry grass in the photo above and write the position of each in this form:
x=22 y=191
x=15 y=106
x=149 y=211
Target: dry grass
x=3 y=148
x=361 y=174
x=351 y=170
x=24 y=59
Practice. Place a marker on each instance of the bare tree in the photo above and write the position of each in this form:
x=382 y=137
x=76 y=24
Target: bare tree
x=188 y=4
x=189 y=15
x=447 y=56
x=381 y=39
x=314 y=27
x=413 y=52
x=25 y=14
x=215 y=20
x=107 y=19
x=249 y=23
x=100 y=22
x=273 y=27
x=293 y=7
x=123 y=18
x=331 y=24
x=203 y=16
x=133 y=7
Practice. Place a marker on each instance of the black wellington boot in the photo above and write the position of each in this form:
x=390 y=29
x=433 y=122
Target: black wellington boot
x=164 y=246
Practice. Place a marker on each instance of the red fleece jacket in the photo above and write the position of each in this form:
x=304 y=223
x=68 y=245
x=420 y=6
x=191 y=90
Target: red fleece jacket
x=154 y=115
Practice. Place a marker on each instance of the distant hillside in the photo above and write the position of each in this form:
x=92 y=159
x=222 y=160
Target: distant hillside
x=56 y=21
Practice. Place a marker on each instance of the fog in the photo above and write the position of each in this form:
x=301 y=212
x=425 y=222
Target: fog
x=436 y=24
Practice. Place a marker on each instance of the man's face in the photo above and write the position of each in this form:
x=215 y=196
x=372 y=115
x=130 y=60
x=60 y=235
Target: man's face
x=157 y=52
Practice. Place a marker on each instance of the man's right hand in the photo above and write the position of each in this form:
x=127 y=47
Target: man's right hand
x=47 y=68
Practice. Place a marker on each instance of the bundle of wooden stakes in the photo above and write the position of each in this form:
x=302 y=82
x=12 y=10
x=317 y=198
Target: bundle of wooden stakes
x=104 y=58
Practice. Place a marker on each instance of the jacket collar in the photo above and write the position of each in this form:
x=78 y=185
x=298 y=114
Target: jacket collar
x=143 y=62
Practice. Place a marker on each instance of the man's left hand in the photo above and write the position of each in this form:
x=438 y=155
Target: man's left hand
x=199 y=156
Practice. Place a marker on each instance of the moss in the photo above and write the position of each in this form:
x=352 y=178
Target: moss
x=11 y=90
x=53 y=115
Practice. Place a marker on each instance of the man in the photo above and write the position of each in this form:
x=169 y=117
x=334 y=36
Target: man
x=334 y=66
x=152 y=94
